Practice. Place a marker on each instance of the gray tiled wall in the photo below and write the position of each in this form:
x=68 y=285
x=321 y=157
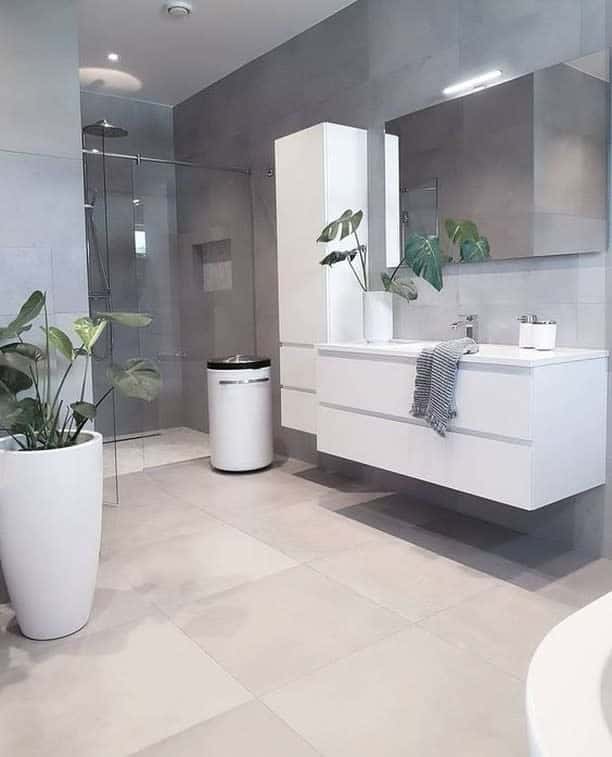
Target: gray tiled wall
x=41 y=198
x=375 y=61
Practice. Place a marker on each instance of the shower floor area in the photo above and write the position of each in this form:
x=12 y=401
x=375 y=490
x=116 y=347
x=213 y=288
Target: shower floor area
x=170 y=445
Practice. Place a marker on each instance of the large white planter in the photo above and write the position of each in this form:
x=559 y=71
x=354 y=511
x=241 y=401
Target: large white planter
x=50 y=525
x=378 y=316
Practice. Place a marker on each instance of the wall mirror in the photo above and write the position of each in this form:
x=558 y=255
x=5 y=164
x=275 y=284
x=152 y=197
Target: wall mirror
x=521 y=165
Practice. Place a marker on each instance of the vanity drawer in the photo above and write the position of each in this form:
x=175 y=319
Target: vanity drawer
x=298 y=367
x=490 y=399
x=490 y=468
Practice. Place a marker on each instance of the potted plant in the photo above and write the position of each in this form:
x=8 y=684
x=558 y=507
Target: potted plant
x=51 y=467
x=377 y=304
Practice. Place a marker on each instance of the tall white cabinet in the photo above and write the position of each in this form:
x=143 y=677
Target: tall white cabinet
x=320 y=172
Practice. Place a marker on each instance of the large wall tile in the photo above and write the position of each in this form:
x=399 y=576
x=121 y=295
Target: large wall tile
x=518 y=37
x=39 y=87
x=401 y=32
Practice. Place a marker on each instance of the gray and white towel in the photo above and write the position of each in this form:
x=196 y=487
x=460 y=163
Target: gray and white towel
x=436 y=378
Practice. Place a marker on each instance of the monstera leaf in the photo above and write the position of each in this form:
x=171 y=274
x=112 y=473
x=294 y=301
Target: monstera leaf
x=89 y=331
x=28 y=312
x=15 y=372
x=423 y=255
x=405 y=288
x=472 y=247
x=346 y=224
x=133 y=320
x=461 y=231
x=474 y=251
x=138 y=379
x=337 y=256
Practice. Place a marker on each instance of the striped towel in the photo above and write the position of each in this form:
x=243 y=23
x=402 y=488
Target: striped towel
x=436 y=377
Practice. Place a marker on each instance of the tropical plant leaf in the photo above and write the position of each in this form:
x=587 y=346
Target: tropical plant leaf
x=405 y=288
x=89 y=331
x=83 y=411
x=461 y=231
x=15 y=372
x=139 y=379
x=422 y=254
x=27 y=313
x=133 y=320
x=10 y=412
x=61 y=341
x=30 y=416
x=337 y=256
x=346 y=224
x=475 y=251
x=25 y=349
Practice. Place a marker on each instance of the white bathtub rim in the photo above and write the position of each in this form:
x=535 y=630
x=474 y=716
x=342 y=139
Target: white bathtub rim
x=564 y=686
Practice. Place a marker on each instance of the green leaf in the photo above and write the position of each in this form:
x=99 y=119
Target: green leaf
x=89 y=331
x=337 y=256
x=475 y=252
x=61 y=342
x=83 y=411
x=139 y=379
x=15 y=372
x=347 y=223
x=133 y=320
x=27 y=313
x=30 y=416
x=405 y=288
x=10 y=412
x=423 y=255
x=25 y=349
x=461 y=231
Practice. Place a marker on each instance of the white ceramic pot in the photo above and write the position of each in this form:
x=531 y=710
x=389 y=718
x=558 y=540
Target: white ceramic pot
x=378 y=316
x=50 y=525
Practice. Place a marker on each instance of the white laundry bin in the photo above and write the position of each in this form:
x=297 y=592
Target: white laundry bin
x=240 y=413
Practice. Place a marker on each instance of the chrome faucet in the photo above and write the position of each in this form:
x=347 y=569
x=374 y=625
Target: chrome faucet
x=470 y=322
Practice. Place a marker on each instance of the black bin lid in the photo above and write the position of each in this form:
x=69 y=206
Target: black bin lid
x=238 y=362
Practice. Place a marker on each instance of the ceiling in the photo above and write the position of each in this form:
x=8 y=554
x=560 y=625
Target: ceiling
x=165 y=59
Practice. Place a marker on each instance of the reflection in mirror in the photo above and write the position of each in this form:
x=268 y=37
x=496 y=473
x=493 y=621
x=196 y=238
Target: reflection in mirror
x=513 y=170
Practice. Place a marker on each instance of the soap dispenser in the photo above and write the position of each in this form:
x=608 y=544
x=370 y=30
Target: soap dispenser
x=526 y=330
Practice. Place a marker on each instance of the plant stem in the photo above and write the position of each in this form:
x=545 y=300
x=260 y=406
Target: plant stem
x=59 y=388
x=14 y=438
x=363 y=262
x=84 y=378
x=48 y=356
x=356 y=275
x=107 y=392
x=396 y=269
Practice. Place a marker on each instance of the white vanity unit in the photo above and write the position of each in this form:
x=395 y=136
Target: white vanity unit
x=530 y=428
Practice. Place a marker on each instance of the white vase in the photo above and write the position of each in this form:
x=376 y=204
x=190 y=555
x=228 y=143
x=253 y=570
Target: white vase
x=50 y=525
x=378 y=316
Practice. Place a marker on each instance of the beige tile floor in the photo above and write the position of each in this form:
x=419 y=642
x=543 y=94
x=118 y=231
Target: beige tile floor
x=291 y=613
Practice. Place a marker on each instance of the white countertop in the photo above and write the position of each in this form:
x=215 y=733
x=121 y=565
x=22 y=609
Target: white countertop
x=491 y=354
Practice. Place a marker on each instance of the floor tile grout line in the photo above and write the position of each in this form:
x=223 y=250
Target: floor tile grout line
x=291 y=728
x=405 y=624
x=342 y=658
x=470 y=652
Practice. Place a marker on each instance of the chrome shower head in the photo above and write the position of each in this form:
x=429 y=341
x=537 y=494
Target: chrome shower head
x=104 y=128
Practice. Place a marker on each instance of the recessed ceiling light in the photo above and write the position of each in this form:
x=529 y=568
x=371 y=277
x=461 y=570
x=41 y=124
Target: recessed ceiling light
x=113 y=56
x=478 y=82
x=178 y=8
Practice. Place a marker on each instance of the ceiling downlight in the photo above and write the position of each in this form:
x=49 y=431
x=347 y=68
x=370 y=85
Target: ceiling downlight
x=178 y=8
